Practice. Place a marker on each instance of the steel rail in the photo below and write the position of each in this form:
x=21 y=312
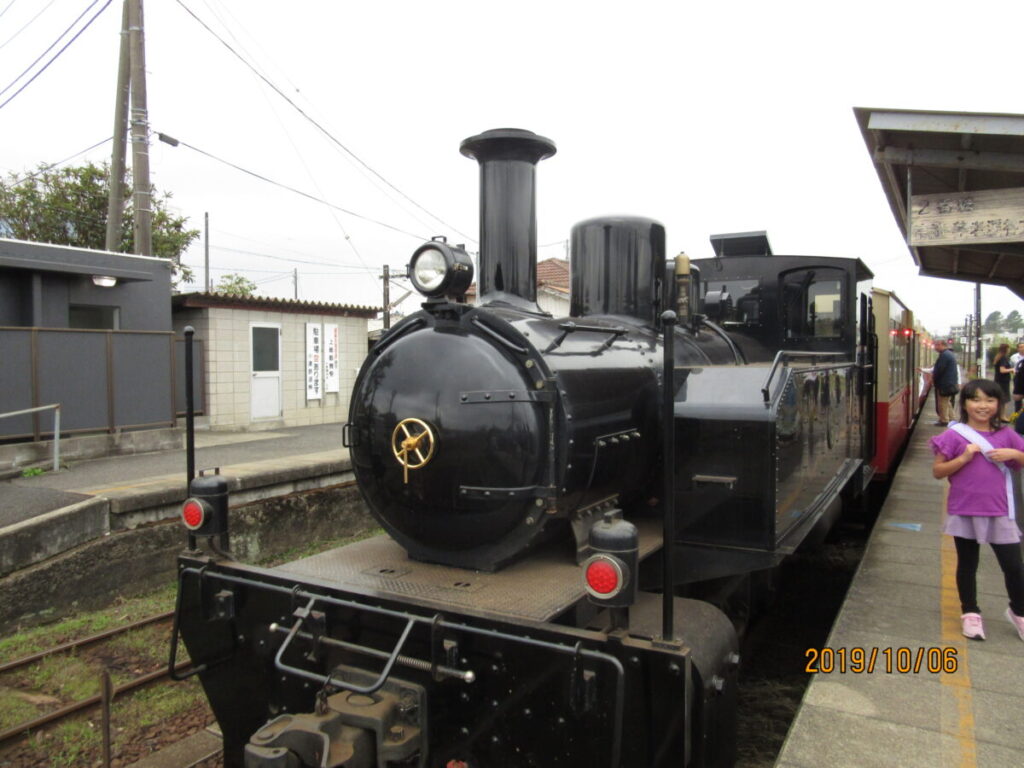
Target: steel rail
x=78 y=706
x=24 y=660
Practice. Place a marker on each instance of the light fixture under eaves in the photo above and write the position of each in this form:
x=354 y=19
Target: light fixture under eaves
x=104 y=281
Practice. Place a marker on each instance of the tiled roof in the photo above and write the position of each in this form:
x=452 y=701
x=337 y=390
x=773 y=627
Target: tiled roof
x=270 y=304
x=553 y=272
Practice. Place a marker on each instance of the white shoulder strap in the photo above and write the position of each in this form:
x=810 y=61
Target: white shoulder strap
x=979 y=440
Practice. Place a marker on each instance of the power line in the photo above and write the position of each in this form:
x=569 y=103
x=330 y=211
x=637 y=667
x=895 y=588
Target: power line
x=60 y=162
x=315 y=123
x=174 y=142
x=55 y=56
x=27 y=23
x=361 y=267
x=5 y=10
x=49 y=48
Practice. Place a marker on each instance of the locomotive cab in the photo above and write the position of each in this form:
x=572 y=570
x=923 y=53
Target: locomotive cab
x=772 y=303
x=774 y=449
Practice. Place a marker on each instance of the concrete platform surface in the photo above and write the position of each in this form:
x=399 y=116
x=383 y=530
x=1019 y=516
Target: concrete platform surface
x=897 y=684
x=23 y=498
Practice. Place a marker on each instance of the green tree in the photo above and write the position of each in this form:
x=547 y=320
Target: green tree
x=993 y=323
x=234 y=284
x=68 y=206
x=1013 y=322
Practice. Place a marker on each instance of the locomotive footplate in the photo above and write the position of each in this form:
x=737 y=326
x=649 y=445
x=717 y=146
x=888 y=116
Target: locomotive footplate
x=538 y=588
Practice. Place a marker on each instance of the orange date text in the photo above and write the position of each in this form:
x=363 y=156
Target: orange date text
x=903 y=660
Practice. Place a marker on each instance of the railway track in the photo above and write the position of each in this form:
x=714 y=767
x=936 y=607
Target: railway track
x=83 y=641
x=108 y=691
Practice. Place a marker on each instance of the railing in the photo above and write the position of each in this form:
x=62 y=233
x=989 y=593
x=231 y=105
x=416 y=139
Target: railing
x=56 y=428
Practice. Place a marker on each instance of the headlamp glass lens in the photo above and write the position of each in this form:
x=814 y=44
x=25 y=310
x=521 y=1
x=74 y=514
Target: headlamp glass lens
x=430 y=269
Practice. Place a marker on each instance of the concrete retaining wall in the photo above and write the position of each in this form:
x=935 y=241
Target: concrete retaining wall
x=33 y=541
x=130 y=562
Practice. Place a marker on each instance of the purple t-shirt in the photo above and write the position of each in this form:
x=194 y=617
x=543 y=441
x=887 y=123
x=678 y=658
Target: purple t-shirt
x=978 y=488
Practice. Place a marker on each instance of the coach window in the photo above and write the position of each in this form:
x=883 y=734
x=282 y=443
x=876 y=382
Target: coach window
x=812 y=303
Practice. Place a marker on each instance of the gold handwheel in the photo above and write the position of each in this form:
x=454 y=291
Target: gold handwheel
x=413 y=443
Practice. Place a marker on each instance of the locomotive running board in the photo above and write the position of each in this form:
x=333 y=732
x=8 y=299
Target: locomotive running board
x=538 y=588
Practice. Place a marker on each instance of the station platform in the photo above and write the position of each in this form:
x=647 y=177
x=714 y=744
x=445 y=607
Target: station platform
x=897 y=684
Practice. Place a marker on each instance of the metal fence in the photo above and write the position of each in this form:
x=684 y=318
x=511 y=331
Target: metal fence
x=103 y=380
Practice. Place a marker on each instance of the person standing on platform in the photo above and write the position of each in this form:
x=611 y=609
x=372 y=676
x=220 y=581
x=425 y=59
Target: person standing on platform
x=945 y=378
x=1003 y=370
x=1016 y=356
x=1018 y=378
x=978 y=454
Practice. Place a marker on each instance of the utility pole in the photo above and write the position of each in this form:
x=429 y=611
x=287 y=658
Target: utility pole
x=206 y=248
x=115 y=201
x=140 y=132
x=386 y=277
x=295 y=282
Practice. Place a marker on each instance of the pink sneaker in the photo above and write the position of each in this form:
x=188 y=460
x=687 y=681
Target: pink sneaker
x=972 y=626
x=1017 y=621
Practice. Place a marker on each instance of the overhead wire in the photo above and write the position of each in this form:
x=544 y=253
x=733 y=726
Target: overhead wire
x=292 y=260
x=316 y=123
x=266 y=79
x=333 y=214
x=28 y=23
x=170 y=139
x=50 y=167
x=55 y=56
x=5 y=10
x=49 y=48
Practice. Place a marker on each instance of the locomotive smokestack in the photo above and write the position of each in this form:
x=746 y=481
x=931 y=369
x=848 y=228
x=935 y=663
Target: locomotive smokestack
x=508 y=160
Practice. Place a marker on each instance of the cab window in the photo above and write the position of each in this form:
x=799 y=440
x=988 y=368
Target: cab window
x=812 y=303
x=733 y=302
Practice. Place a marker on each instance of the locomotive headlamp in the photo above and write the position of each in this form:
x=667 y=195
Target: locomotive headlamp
x=438 y=269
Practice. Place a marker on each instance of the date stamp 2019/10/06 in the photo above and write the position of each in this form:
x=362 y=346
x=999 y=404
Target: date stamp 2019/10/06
x=902 y=660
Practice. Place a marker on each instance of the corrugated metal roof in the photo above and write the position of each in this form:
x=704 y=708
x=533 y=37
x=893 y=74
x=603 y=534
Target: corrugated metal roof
x=951 y=153
x=271 y=304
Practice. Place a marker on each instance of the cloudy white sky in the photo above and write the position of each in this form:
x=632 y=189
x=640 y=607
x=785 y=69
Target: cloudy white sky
x=711 y=117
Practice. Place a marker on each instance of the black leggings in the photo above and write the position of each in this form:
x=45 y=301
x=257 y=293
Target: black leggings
x=1010 y=561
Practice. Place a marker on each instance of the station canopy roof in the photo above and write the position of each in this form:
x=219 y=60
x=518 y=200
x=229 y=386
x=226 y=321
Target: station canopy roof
x=955 y=183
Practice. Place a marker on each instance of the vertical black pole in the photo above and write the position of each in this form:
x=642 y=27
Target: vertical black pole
x=668 y=324
x=190 y=419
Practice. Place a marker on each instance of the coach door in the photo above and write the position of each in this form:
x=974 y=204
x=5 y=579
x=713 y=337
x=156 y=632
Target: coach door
x=265 y=346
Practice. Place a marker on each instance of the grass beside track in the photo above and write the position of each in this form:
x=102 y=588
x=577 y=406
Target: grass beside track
x=142 y=721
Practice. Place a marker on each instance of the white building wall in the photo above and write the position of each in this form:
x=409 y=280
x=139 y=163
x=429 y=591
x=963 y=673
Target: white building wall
x=557 y=305
x=226 y=335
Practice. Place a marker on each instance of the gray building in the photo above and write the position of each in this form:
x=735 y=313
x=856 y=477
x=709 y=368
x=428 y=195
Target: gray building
x=55 y=286
x=89 y=330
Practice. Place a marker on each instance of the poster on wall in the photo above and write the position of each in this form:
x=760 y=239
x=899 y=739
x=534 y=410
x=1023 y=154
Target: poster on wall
x=332 y=378
x=314 y=359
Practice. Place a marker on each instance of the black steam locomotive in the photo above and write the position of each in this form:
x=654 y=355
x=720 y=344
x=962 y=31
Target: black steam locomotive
x=570 y=502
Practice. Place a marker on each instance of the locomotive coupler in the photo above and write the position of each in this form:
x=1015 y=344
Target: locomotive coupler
x=349 y=729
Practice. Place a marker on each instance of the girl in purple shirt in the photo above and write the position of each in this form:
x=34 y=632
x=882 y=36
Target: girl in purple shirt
x=980 y=503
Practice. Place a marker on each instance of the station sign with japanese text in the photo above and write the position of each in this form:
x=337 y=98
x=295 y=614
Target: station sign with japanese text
x=964 y=218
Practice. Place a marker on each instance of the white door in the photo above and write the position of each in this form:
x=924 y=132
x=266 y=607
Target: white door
x=266 y=370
